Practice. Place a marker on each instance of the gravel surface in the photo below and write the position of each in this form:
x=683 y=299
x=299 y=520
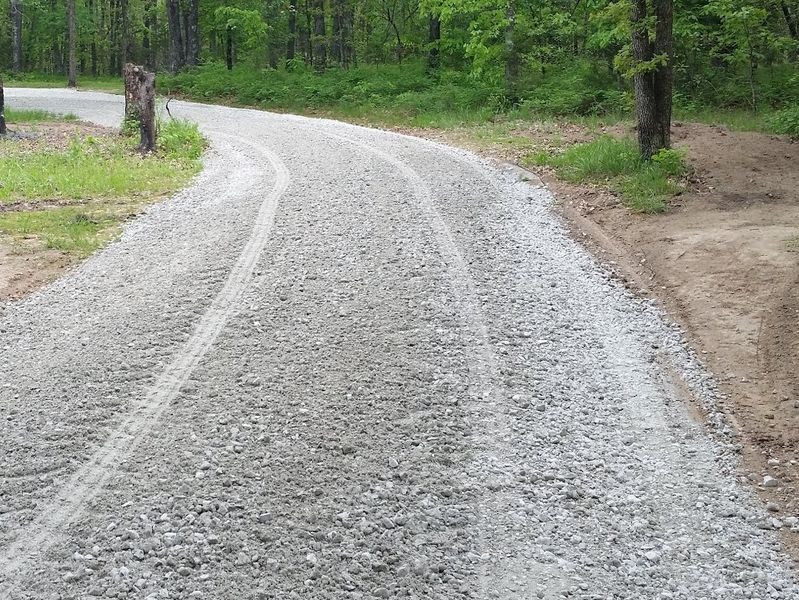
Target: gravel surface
x=351 y=364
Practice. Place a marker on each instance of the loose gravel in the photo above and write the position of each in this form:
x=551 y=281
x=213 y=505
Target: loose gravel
x=352 y=364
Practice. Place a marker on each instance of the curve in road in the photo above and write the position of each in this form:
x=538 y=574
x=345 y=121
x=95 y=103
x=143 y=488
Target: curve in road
x=350 y=364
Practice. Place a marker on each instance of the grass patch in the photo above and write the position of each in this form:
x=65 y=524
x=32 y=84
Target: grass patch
x=35 y=116
x=72 y=230
x=37 y=80
x=92 y=167
x=76 y=197
x=644 y=186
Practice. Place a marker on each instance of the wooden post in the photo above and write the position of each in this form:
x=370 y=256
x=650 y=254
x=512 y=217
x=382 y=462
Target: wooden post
x=2 y=110
x=140 y=104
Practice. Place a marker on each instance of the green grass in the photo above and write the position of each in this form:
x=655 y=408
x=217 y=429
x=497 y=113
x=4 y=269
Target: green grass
x=76 y=197
x=76 y=231
x=35 y=116
x=644 y=186
x=38 y=80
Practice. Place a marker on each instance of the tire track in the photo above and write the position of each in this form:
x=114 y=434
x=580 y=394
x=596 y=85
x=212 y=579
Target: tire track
x=71 y=500
x=486 y=409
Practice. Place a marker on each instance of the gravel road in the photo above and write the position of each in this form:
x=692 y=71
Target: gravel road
x=351 y=364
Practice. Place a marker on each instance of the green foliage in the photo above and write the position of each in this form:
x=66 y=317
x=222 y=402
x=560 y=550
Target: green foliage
x=579 y=89
x=35 y=116
x=670 y=161
x=408 y=90
x=89 y=168
x=644 y=186
x=70 y=229
x=785 y=121
x=95 y=183
x=179 y=139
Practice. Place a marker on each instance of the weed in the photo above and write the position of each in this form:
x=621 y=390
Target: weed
x=180 y=139
x=785 y=121
x=644 y=186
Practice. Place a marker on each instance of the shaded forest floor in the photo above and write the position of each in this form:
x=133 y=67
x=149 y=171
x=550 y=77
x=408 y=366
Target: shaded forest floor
x=723 y=260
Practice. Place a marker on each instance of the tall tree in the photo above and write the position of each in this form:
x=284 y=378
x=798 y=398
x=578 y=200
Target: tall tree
x=511 y=51
x=433 y=40
x=291 y=41
x=176 y=57
x=652 y=73
x=16 y=36
x=192 y=33
x=72 y=41
x=319 y=36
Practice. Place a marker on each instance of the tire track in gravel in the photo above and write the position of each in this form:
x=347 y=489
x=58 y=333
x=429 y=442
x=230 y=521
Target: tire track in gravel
x=487 y=416
x=88 y=481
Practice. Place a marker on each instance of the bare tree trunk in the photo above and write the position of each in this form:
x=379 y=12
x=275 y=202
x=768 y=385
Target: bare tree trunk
x=291 y=42
x=71 y=26
x=192 y=34
x=140 y=104
x=149 y=35
x=229 y=48
x=664 y=74
x=337 y=46
x=511 y=52
x=16 y=36
x=176 y=57
x=653 y=85
x=3 y=130
x=433 y=39
x=320 y=31
x=124 y=43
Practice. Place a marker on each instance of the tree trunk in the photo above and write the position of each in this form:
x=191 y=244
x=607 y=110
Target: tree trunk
x=140 y=104
x=124 y=43
x=337 y=48
x=653 y=85
x=320 y=31
x=291 y=42
x=16 y=36
x=150 y=35
x=3 y=130
x=433 y=39
x=176 y=57
x=229 y=48
x=664 y=74
x=71 y=26
x=192 y=34
x=511 y=52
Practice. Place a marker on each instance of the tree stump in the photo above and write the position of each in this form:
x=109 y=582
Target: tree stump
x=140 y=104
x=2 y=110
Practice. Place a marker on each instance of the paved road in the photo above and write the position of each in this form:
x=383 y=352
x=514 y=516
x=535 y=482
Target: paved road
x=351 y=364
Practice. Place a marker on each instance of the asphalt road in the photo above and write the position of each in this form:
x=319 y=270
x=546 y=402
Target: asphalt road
x=352 y=364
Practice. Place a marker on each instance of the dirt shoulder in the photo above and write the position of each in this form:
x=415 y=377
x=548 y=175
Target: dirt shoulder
x=723 y=260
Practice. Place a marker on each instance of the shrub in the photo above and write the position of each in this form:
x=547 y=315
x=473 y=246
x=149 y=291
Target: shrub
x=180 y=139
x=785 y=121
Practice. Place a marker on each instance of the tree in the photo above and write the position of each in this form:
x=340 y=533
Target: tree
x=16 y=36
x=72 y=34
x=192 y=34
x=652 y=73
x=177 y=59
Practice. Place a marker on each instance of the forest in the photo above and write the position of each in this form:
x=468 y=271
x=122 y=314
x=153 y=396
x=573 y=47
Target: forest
x=469 y=58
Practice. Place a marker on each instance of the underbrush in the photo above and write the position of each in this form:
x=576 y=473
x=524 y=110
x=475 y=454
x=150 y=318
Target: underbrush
x=644 y=186
x=73 y=198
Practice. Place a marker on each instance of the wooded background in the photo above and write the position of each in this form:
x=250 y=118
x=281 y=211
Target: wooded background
x=729 y=52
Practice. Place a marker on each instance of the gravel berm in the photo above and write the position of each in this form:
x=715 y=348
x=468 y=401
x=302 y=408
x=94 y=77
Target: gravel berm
x=347 y=363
